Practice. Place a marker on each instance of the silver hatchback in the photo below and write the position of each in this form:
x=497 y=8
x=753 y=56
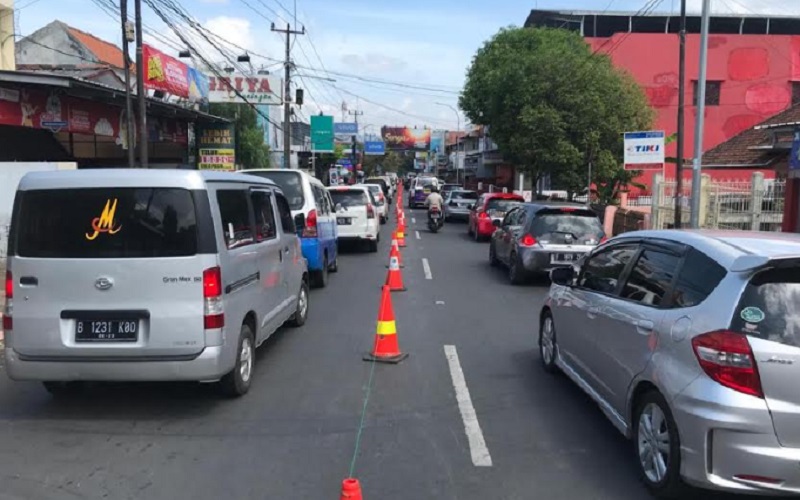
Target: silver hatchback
x=689 y=341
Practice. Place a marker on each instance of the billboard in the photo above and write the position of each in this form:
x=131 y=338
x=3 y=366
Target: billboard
x=165 y=73
x=406 y=138
x=345 y=128
x=644 y=150
x=198 y=86
x=438 y=142
x=216 y=146
x=257 y=89
x=374 y=148
x=322 y=134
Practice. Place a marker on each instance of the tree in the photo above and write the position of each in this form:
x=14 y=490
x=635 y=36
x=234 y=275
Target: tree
x=251 y=151
x=553 y=106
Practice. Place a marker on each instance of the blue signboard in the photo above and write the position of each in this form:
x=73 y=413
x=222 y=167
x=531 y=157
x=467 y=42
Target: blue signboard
x=794 y=159
x=345 y=162
x=345 y=128
x=374 y=148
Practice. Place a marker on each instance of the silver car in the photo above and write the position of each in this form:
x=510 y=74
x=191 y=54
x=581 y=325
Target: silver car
x=535 y=237
x=458 y=203
x=148 y=275
x=690 y=344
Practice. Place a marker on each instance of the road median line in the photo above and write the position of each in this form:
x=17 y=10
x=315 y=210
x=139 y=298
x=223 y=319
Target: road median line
x=427 y=268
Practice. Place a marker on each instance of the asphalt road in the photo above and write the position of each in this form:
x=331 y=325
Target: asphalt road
x=293 y=436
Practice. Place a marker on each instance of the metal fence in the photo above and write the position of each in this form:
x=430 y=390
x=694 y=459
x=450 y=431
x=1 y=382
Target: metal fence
x=754 y=205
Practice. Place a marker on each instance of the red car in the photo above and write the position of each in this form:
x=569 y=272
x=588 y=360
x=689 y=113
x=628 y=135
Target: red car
x=490 y=206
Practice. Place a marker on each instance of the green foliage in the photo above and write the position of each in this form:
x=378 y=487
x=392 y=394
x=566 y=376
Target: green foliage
x=251 y=151
x=553 y=107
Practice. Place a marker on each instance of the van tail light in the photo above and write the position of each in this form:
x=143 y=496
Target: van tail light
x=310 y=231
x=727 y=358
x=603 y=239
x=370 y=211
x=213 y=314
x=527 y=241
x=483 y=215
x=8 y=321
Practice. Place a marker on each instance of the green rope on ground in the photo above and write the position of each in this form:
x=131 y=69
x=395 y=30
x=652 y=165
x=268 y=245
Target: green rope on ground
x=363 y=416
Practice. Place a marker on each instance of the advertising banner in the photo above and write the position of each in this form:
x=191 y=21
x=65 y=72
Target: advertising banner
x=198 y=86
x=258 y=89
x=406 y=138
x=165 y=73
x=438 y=142
x=374 y=148
x=216 y=147
x=345 y=128
x=644 y=150
x=57 y=113
x=322 y=134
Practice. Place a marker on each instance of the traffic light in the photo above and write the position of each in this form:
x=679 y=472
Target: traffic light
x=298 y=97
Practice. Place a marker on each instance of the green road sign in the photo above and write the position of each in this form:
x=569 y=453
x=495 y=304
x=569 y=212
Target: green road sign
x=322 y=134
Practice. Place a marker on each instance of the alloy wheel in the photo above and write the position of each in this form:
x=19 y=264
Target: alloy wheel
x=653 y=442
x=246 y=360
x=548 y=341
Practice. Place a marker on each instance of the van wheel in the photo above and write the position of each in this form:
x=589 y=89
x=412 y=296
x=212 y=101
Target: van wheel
x=321 y=276
x=64 y=389
x=301 y=313
x=237 y=382
x=373 y=246
x=334 y=267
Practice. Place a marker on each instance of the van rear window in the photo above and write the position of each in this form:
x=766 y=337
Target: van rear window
x=768 y=307
x=107 y=223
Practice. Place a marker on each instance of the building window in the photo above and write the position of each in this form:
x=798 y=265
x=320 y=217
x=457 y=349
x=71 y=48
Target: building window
x=713 y=89
x=795 y=93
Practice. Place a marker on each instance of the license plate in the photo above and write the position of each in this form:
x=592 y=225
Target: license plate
x=435 y=216
x=563 y=257
x=106 y=330
x=427 y=191
x=344 y=221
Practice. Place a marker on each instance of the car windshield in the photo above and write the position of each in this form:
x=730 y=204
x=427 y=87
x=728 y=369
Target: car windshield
x=496 y=205
x=564 y=227
x=349 y=198
x=425 y=182
x=291 y=183
x=464 y=195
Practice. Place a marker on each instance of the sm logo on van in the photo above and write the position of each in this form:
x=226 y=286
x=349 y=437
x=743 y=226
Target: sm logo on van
x=105 y=223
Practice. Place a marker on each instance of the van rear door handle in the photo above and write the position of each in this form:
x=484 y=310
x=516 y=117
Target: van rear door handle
x=29 y=281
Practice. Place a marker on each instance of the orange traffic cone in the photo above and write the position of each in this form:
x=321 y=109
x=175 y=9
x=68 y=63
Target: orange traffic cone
x=386 y=348
x=395 y=252
x=351 y=490
x=394 y=278
x=401 y=233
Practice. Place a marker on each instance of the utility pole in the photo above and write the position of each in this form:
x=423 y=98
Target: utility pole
x=126 y=62
x=681 y=120
x=287 y=93
x=701 y=108
x=356 y=113
x=140 y=90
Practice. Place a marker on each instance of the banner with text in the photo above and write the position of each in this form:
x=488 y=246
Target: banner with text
x=216 y=147
x=165 y=73
x=644 y=150
x=322 y=134
x=406 y=138
x=258 y=89
x=374 y=148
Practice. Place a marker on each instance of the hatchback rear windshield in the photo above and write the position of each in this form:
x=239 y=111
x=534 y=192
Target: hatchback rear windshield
x=291 y=183
x=349 y=198
x=573 y=225
x=768 y=307
x=107 y=223
x=464 y=195
x=501 y=204
x=425 y=182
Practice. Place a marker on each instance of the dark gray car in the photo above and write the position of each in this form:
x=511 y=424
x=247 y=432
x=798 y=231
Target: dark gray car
x=536 y=237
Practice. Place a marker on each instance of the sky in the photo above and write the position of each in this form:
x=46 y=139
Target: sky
x=422 y=43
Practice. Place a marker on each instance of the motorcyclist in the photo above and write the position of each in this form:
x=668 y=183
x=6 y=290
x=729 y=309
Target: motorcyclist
x=434 y=199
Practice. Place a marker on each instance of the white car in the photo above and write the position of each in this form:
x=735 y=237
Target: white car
x=356 y=215
x=381 y=201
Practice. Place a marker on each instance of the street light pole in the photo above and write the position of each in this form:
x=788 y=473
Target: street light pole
x=126 y=62
x=681 y=120
x=699 y=123
x=140 y=90
x=458 y=122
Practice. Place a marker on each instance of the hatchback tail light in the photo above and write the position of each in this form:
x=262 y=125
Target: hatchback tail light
x=370 y=212
x=483 y=215
x=8 y=321
x=527 y=241
x=213 y=313
x=727 y=358
x=310 y=231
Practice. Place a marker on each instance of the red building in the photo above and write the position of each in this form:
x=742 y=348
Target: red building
x=753 y=70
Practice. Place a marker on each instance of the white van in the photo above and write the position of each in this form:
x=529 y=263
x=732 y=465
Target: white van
x=307 y=196
x=148 y=275
x=356 y=215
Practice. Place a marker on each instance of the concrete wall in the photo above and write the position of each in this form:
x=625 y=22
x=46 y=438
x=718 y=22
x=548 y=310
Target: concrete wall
x=10 y=175
x=53 y=35
x=6 y=35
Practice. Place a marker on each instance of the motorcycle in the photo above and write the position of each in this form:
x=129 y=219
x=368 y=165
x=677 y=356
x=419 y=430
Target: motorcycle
x=435 y=219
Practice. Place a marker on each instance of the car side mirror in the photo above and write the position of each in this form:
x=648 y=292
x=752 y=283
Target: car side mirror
x=300 y=222
x=497 y=222
x=563 y=276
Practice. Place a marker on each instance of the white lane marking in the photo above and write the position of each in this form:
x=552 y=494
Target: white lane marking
x=416 y=233
x=477 y=445
x=413 y=220
x=439 y=302
x=427 y=268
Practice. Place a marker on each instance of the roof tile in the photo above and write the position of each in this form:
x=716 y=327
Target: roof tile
x=105 y=52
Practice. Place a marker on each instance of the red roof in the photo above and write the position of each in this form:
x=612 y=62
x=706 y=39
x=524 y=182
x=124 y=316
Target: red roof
x=105 y=52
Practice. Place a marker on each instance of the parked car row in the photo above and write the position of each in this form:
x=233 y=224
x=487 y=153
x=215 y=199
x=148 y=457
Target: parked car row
x=155 y=275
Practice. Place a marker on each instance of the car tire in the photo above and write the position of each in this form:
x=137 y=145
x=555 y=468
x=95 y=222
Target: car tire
x=301 y=312
x=373 y=246
x=653 y=407
x=321 y=276
x=515 y=275
x=334 y=266
x=548 y=344
x=477 y=236
x=383 y=220
x=236 y=383
x=493 y=256
x=469 y=228
x=64 y=389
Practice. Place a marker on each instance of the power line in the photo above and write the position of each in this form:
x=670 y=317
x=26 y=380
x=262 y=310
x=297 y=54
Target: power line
x=395 y=110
